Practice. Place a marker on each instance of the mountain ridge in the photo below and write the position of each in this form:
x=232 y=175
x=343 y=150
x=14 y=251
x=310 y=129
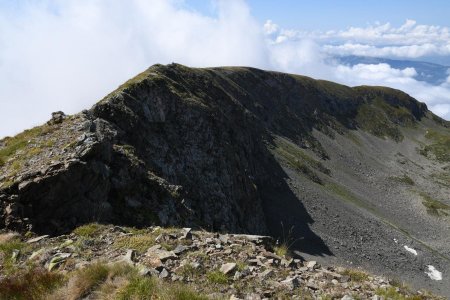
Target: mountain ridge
x=242 y=150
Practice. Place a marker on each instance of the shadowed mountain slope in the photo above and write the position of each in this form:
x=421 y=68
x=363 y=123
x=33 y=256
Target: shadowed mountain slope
x=348 y=175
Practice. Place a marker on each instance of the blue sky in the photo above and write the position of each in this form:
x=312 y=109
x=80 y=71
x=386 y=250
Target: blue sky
x=67 y=54
x=329 y=14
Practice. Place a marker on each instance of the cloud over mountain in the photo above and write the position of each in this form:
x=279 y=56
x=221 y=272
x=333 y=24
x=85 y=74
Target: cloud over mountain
x=68 y=54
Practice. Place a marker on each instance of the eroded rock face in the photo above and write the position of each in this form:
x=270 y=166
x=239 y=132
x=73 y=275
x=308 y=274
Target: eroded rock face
x=179 y=146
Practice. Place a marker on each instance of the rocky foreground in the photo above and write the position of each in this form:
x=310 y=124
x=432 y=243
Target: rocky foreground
x=111 y=262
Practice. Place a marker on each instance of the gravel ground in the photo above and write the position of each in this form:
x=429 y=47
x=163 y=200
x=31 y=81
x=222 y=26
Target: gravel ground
x=371 y=227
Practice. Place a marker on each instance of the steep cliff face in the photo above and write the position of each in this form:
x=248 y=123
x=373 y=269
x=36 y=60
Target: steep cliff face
x=239 y=150
x=180 y=146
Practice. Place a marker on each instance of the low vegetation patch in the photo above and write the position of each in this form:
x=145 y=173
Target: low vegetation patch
x=356 y=275
x=21 y=141
x=393 y=293
x=281 y=250
x=85 y=280
x=89 y=230
x=34 y=283
x=299 y=160
x=147 y=288
x=442 y=178
x=404 y=179
x=434 y=207
x=141 y=288
x=9 y=246
x=439 y=147
x=346 y=195
x=189 y=271
x=139 y=242
x=217 y=277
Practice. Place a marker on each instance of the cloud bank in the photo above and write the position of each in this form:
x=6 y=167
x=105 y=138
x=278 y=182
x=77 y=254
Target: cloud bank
x=66 y=55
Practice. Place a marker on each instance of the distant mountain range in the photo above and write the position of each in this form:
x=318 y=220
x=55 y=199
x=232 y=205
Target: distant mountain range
x=431 y=73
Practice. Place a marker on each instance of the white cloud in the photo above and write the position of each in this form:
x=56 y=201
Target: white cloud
x=409 y=51
x=69 y=54
x=410 y=40
x=270 y=27
x=66 y=55
x=369 y=73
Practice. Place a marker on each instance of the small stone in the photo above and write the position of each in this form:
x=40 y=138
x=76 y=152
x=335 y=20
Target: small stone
x=291 y=283
x=195 y=265
x=37 y=239
x=129 y=256
x=58 y=259
x=57 y=118
x=180 y=249
x=36 y=253
x=274 y=284
x=237 y=275
x=164 y=273
x=15 y=255
x=161 y=254
x=143 y=270
x=311 y=264
x=227 y=268
x=154 y=262
x=267 y=273
x=347 y=297
x=233 y=297
x=146 y=271
x=287 y=263
x=375 y=297
x=175 y=277
x=223 y=238
x=118 y=229
x=186 y=234
x=66 y=243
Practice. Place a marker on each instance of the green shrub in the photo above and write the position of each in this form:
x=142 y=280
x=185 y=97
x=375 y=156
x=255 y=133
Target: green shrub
x=9 y=246
x=142 y=288
x=356 y=275
x=139 y=242
x=281 y=250
x=183 y=292
x=88 y=230
x=217 y=277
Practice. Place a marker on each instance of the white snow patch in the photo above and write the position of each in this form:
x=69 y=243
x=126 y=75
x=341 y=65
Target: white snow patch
x=413 y=251
x=433 y=273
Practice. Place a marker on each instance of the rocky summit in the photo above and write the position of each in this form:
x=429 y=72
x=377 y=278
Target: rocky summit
x=343 y=177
